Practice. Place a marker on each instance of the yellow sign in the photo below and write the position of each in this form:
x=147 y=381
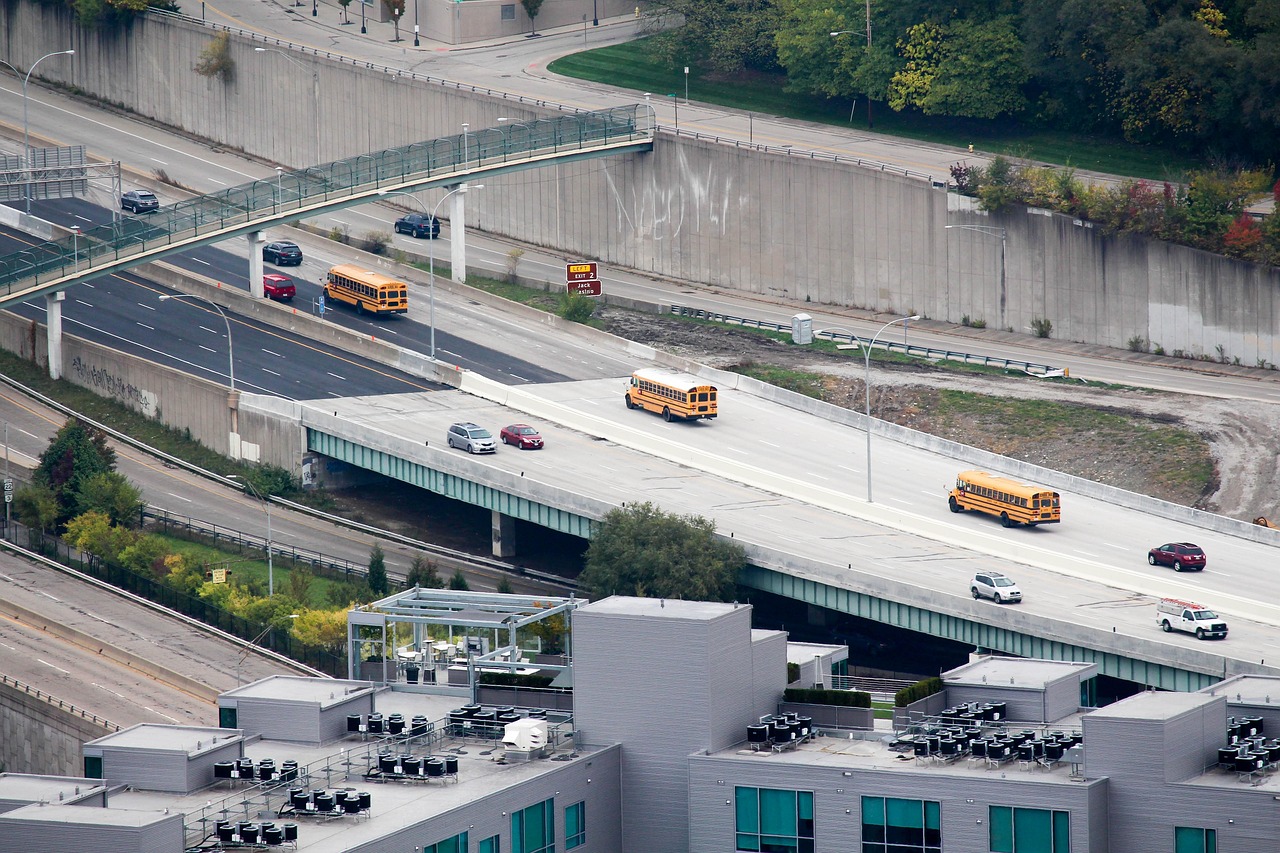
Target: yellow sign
x=219 y=575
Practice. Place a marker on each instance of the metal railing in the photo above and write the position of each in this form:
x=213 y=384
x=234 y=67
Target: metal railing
x=305 y=192
x=889 y=346
x=58 y=703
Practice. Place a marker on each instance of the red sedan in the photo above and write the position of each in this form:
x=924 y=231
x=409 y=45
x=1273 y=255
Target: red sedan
x=522 y=436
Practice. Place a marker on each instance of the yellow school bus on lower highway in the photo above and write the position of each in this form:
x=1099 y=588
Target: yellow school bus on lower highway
x=674 y=395
x=1010 y=501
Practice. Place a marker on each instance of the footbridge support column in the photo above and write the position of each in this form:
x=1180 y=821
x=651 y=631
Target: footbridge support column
x=458 y=235
x=53 y=331
x=504 y=535
x=256 y=239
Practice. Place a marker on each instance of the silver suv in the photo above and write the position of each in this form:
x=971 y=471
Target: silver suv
x=471 y=438
x=994 y=586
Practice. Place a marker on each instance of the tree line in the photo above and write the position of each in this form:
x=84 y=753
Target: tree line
x=1197 y=75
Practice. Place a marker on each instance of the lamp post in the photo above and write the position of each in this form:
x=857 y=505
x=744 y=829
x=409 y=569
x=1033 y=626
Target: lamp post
x=675 y=102
x=315 y=84
x=415 y=24
x=266 y=504
x=26 y=128
x=866 y=352
x=314 y=11
x=431 y=259
x=75 y=243
x=231 y=360
x=991 y=229
x=363 y=28
x=464 y=142
x=870 y=123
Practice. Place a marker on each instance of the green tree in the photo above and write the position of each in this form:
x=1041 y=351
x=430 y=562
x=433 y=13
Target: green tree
x=504 y=586
x=641 y=550
x=962 y=69
x=146 y=555
x=300 y=581
x=423 y=573
x=377 y=578
x=727 y=36
x=94 y=533
x=77 y=453
x=459 y=581
x=111 y=492
x=532 y=8
x=35 y=505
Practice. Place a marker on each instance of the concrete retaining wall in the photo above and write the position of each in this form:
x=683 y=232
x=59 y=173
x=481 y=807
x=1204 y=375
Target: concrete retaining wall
x=39 y=737
x=721 y=213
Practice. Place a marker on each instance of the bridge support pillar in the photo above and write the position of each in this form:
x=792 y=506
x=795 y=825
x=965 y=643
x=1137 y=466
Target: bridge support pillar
x=458 y=235
x=53 y=326
x=256 y=239
x=504 y=535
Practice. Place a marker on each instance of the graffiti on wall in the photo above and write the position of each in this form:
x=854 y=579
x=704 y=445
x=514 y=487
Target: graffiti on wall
x=108 y=384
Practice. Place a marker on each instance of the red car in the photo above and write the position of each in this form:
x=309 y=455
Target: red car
x=276 y=286
x=1180 y=555
x=522 y=436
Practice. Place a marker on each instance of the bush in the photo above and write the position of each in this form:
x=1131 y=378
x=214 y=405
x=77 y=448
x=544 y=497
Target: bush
x=1042 y=327
x=515 y=679
x=793 y=673
x=376 y=242
x=917 y=691
x=576 y=308
x=844 y=698
x=1137 y=343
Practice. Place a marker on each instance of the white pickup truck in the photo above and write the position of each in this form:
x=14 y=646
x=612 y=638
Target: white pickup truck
x=1173 y=614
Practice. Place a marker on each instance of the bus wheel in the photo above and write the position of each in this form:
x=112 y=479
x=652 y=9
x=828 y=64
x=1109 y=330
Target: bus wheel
x=666 y=414
x=630 y=405
x=1005 y=520
x=951 y=502
x=359 y=307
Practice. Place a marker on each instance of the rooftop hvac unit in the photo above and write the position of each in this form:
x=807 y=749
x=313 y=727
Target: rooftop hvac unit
x=524 y=739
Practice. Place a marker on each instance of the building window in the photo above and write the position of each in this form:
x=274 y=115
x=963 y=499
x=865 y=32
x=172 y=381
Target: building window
x=508 y=11
x=575 y=825
x=492 y=844
x=774 y=821
x=457 y=844
x=1190 y=839
x=1029 y=830
x=533 y=830
x=93 y=767
x=891 y=825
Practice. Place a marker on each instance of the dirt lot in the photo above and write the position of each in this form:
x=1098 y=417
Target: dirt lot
x=1137 y=440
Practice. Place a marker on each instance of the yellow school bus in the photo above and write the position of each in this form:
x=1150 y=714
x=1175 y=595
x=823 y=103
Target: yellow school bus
x=367 y=291
x=1010 y=501
x=676 y=396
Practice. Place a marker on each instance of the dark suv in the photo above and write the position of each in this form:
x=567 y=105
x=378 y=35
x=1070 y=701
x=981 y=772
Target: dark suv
x=418 y=225
x=139 y=201
x=1180 y=555
x=282 y=253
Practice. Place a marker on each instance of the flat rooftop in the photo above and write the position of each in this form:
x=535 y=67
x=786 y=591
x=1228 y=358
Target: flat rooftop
x=1155 y=706
x=875 y=755
x=1260 y=690
x=91 y=817
x=668 y=608
x=188 y=739
x=1014 y=672
x=301 y=689
x=805 y=652
x=26 y=788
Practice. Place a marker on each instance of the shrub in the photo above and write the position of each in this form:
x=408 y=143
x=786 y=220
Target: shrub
x=1137 y=343
x=215 y=59
x=515 y=679
x=576 y=308
x=844 y=698
x=917 y=691
x=971 y=323
x=793 y=673
x=1042 y=327
x=376 y=242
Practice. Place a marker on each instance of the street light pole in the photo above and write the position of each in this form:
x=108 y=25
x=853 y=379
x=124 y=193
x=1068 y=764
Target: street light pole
x=231 y=359
x=866 y=352
x=416 y=43
x=1004 y=234
x=431 y=246
x=26 y=128
x=870 y=123
x=266 y=503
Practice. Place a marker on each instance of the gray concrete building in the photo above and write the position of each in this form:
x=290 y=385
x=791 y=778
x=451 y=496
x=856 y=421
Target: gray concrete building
x=675 y=744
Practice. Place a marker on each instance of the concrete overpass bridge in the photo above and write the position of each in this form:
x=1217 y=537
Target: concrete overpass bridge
x=805 y=542
x=246 y=210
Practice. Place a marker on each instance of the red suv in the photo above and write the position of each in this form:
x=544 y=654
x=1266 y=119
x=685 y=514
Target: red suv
x=277 y=286
x=1180 y=555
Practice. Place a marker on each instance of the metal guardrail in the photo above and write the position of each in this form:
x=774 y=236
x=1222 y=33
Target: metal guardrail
x=889 y=346
x=304 y=192
x=54 y=700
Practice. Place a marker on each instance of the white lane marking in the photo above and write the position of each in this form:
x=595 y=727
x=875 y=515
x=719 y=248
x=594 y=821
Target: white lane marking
x=158 y=160
x=903 y=501
x=198 y=261
x=819 y=477
x=58 y=668
x=847 y=468
x=157 y=713
x=82 y=218
x=771 y=444
x=148 y=307
x=82 y=302
x=108 y=689
x=179 y=497
x=738 y=450
x=269 y=352
x=1087 y=554
x=336 y=376
x=272 y=372
x=47 y=595
x=207 y=349
x=210 y=331
x=87 y=284
x=9 y=647
x=1117 y=547
x=218 y=182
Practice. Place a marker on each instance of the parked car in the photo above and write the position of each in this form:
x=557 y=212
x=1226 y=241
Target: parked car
x=471 y=438
x=276 y=286
x=1174 y=614
x=418 y=225
x=139 y=201
x=522 y=436
x=1180 y=555
x=282 y=253
x=995 y=586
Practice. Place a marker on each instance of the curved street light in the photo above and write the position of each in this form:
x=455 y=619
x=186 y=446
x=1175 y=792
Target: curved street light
x=26 y=131
x=866 y=352
x=870 y=124
x=231 y=360
x=431 y=260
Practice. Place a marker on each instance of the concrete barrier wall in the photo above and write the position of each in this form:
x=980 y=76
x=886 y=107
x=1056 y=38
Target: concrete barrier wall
x=723 y=214
x=39 y=737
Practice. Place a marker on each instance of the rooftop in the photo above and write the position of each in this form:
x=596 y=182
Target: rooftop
x=1024 y=673
x=805 y=652
x=21 y=787
x=668 y=608
x=1248 y=690
x=1151 y=706
x=188 y=739
x=300 y=689
x=87 y=816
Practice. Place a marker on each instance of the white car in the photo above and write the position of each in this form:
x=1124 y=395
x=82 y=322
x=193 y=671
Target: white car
x=995 y=586
x=471 y=438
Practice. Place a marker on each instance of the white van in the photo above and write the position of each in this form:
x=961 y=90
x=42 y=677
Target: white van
x=1173 y=614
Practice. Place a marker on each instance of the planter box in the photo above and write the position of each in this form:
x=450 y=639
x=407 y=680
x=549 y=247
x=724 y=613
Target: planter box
x=929 y=706
x=832 y=716
x=525 y=697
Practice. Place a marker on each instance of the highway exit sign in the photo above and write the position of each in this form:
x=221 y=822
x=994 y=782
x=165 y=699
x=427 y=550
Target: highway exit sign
x=583 y=278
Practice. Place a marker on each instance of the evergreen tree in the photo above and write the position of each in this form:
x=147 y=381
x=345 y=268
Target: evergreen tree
x=378 y=571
